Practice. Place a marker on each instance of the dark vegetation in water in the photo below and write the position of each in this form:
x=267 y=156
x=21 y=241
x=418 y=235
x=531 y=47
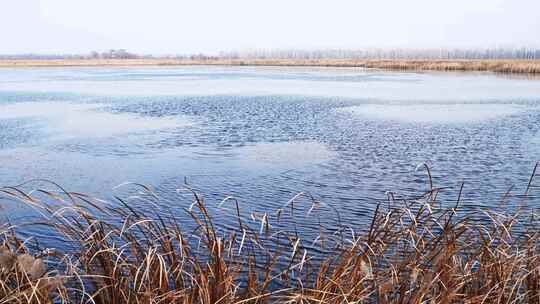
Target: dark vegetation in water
x=414 y=251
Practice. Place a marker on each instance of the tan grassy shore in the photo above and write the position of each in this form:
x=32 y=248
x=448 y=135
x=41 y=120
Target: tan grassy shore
x=499 y=66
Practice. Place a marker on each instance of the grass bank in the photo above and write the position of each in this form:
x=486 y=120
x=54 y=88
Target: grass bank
x=498 y=66
x=413 y=251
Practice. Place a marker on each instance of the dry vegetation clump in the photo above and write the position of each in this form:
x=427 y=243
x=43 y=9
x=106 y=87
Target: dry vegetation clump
x=417 y=250
x=499 y=66
x=24 y=278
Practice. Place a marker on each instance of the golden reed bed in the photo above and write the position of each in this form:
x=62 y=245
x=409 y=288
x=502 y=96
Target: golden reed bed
x=413 y=251
x=499 y=66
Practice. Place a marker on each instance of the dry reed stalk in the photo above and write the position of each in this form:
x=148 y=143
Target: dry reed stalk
x=414 y=251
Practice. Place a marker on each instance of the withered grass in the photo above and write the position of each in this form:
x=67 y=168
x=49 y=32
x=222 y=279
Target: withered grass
x=418 y=250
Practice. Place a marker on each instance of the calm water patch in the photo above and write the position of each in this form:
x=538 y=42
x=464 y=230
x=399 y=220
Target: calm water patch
x=69 y=120
x=436 y=113
x=284 y=154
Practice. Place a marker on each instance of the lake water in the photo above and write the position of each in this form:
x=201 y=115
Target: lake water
x=262 y=135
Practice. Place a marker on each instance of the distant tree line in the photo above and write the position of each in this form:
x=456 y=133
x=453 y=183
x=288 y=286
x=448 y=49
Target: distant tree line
x=113 y=54
x=299 y=54
x=441 y=53
x=110 y=54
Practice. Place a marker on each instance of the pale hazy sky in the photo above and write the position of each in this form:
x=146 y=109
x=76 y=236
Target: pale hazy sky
x=180 y=26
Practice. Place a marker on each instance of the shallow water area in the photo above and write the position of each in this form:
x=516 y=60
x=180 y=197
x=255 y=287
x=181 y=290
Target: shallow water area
x=344 y=137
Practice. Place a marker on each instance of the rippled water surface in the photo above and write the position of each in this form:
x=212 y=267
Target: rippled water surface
x=343 y=136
